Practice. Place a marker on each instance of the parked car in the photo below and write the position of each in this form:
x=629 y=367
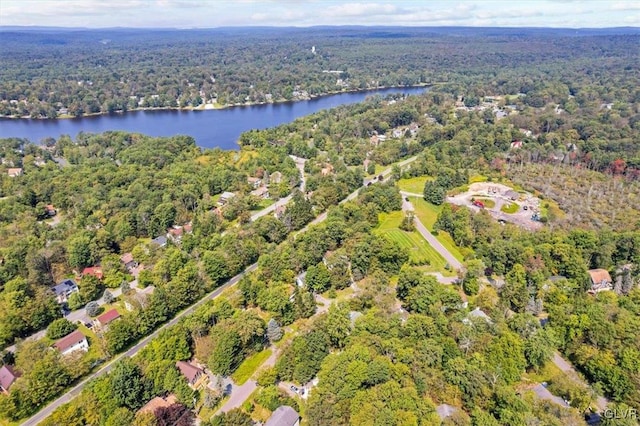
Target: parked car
x=294 y=389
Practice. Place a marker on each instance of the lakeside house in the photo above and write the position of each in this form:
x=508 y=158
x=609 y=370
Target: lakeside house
x=75 y=341
x=7 y=376
x=64 y=290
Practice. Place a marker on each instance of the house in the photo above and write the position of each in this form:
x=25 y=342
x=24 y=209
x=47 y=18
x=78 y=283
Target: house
x=397 y=133
x=326 y=170
x=600 y=280
x=191 y=373
x=262 y=192
x=160 y=241
x=158 y=402
x=542 y=392
x=279 y=212
x=95 y=271
x=516 y=144
x=75 y=341
x=477 y=313
x=50 y=210
x=102 y=321
x=64 y=289
x=445 y=410
x=382 y=138
x=225 y=197
x=413 y=129
x=254 y=181
x=7 y=376
x=14 y=172
x=175 y=233
x=275 y=177
x=284 y=416
x=374 y=140
x=128 y=261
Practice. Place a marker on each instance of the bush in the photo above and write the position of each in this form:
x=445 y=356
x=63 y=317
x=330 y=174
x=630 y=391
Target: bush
x=75 y=301
x=60 y=328
x=108 y=297
x=471 y=286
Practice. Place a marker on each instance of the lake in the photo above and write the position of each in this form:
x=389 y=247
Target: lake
x=210 y=128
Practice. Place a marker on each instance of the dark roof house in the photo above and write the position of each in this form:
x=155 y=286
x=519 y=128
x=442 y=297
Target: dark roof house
x=284 y=416
x=64 y=289
x=7 y=376
x=190 y=371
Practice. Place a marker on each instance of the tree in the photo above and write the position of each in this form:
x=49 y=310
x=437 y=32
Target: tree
x=274 y=332
x=408 y=222
x=227 y=353
x=79 y=251
x=434 y=193
x=318 y=278
x=108 y=297
x=337 y=325
x=128 y=385
x=60 y=328
x=90 y=288
x=121 y=416
x=93 y=309
x=235 y=417
x=174 y=415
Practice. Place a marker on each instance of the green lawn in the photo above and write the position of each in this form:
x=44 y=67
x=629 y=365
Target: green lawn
x=415 y=184
x=510 y=208
x=249 y=366
x=428 y=215
x=420 y=252
x=264 y=203
x=488 y=203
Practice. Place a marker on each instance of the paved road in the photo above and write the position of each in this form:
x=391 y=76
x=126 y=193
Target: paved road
x=73 y=392
x=568 y=369
x=446 y=254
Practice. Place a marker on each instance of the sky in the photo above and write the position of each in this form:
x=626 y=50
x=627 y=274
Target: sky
x=303 y=13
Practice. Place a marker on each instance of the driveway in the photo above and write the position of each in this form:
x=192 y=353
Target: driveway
x=433 y=241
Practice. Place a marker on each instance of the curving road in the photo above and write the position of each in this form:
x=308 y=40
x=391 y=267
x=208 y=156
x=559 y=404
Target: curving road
x=73 y=392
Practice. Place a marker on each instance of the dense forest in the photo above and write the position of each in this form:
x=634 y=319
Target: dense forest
x=71 y=73
x=375 y=336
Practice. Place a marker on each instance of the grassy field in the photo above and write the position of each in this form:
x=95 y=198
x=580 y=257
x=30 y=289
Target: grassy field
x=249 y=366
x=488 y=203
x=420 y=252
x=415 y=184
x=428 y=214
x=510 y=208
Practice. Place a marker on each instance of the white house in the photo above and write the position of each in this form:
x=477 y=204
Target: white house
x=76 y=341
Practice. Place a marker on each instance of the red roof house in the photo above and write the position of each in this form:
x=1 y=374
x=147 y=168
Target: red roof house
x=107 y=317
x=96 y=271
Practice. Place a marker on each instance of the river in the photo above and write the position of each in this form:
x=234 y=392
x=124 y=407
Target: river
x=210 y=128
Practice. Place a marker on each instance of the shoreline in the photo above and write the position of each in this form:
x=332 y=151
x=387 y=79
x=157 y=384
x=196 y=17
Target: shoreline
x=218 y=106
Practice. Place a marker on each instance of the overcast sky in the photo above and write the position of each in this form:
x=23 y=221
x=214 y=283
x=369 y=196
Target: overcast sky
x=217 y=13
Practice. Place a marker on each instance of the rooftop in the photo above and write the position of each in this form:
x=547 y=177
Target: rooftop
x=599 y=275
x=188 y=370
x=158 y=402
x=64 y=287
x=283 y=416
x=7 y=376
x=69 y=340
x=108 y=316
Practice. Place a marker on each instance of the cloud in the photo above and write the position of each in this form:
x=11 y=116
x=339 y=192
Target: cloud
x=362 y=9
x=625 y=5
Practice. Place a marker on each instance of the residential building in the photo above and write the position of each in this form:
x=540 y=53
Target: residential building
x=7 y=376
x=64 y=289
x=95 y=271
x=128 y=261
x=262 y=192
x=516 y=144
x=158 y=402
x=14 y=172
x=284 y=416
x=192 y=373
x=600 y=280
x=477 y=313
x=75 y=341
x=175 y=233
x=103 y=321
x=160 y=241
x=445 y=410
x=225 y=198
x=50 y=210
x=254 y=181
